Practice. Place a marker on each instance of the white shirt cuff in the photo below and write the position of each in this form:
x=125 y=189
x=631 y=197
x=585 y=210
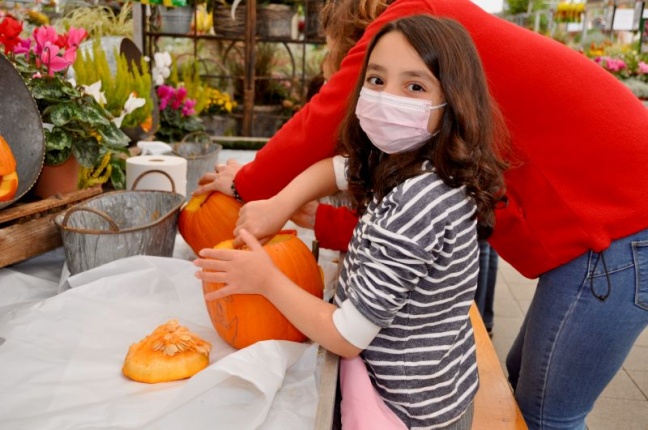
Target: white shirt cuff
x=353 y=326
x=340 y=168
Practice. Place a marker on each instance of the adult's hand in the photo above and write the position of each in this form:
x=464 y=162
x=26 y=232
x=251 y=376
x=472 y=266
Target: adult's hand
x=220 y=179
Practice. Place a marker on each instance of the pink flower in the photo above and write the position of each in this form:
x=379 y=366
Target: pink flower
x=180 y=95
x=643 y=68
x=188 y=107
x=54 y=62
x=165 y=94
x=75 y=36
x=43 y=35
x=23 y=47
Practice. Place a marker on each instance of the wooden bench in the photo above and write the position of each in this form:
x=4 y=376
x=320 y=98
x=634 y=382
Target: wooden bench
x=495 y=405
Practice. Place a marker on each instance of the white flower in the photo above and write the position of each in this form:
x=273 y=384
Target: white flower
x=95 y=91
x=131 y=104
x=162 y=67
x=162 y=59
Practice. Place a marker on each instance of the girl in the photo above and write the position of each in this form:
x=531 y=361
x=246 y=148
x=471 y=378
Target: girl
x=420 y=164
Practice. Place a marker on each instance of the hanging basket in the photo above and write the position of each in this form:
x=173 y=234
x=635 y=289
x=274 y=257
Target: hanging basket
x=274 y=20
x=224 y=25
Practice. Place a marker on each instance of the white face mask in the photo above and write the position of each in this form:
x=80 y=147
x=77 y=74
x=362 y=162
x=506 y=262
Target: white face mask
x=394 y=123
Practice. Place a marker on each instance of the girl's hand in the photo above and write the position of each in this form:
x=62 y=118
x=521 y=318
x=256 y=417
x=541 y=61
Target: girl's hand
x=219 y=180
x=305 y=216
x=248 y=271
x=262 y=218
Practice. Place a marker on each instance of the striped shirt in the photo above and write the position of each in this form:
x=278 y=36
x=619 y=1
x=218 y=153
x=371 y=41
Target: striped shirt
x=412 y=270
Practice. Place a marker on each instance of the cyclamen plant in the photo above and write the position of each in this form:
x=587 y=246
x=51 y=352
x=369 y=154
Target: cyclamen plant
x=75 y=123
x=177 y=114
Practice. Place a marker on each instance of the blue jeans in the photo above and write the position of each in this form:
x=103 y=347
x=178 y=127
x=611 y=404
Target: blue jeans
x=572 y=343
x=485 y=293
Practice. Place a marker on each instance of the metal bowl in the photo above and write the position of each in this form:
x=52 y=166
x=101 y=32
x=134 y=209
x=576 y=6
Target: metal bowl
x=22 y=128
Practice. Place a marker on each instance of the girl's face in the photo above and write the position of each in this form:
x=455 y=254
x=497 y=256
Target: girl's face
x=396 y=68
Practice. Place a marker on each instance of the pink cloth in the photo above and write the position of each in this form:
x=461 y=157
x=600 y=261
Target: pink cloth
x=362 y=407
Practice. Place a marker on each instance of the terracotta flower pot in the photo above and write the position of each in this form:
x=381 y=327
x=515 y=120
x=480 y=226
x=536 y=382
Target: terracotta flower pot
x=61 y=179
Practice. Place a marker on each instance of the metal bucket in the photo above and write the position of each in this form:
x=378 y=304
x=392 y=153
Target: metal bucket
x=201 y=155
x=120 y=224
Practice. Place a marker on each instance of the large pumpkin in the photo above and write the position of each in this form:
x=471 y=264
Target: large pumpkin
x=8 y=174
x=208 y=219
x=244 y=319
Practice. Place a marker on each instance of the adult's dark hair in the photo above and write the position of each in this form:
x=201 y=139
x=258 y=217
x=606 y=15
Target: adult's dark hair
x=464 y=152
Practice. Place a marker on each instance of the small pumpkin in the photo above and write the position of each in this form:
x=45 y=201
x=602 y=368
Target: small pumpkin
x=244 y=319
x=208 y=219
x=8 y=174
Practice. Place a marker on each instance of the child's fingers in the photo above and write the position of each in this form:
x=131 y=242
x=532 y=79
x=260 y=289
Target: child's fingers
x=250 y=240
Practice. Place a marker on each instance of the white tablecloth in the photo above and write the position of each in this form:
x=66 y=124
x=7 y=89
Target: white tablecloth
x=63 y=342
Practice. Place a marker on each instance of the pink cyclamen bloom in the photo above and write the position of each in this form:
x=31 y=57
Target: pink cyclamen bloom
x=75 y=36
x=165 y=94
x=53 y=61
x=23 y=47
x=43 y=35
x=180 y=95
x=188 y=107
x=642 y=68
x=614 y=65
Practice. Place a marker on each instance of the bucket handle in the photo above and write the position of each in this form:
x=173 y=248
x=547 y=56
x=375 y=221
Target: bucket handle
x=141 y=175
x=113 y=226
x=193 y=134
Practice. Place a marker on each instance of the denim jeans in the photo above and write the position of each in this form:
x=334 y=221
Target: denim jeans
x=572 y=343
x=485 y=293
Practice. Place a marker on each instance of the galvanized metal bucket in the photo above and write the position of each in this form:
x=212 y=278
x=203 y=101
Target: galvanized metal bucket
x=120 y=224
x=201 y=154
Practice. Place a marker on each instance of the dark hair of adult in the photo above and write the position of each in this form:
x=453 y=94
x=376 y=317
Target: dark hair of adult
x=463 y=153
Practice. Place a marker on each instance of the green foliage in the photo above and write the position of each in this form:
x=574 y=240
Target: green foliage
x=75 y=124
x=92 y=66
x=101 y=21
x=522 y=6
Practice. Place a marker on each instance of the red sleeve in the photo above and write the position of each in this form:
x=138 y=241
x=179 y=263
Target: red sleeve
x=334 y=227
x=310 y=135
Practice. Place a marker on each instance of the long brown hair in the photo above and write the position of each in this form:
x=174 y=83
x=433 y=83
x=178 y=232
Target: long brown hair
x=464 y=152
x=345 y=22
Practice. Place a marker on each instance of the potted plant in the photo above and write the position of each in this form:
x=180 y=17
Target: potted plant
x=128 y=80
x=77 y=128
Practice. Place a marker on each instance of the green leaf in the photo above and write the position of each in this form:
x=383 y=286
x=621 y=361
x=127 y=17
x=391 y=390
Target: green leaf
x=87 y=151
x=118 y=175
x=112 y=136
x=63 y=113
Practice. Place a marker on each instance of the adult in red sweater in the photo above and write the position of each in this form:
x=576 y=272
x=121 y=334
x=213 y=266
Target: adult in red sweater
x=577 y=213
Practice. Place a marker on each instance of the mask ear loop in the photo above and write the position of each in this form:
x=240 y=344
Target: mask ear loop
x=603 y=297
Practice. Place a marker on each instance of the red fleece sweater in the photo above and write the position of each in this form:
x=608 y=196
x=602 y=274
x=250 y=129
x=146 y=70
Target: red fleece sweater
x=580 y=136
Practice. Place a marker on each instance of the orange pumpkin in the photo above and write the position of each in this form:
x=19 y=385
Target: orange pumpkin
x=8 y=174
x=208 y=219
x=244 y=319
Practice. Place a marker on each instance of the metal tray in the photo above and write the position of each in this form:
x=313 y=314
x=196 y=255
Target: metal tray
x=22 y=128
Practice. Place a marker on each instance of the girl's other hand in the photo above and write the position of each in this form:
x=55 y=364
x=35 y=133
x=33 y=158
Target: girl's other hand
x=262 y=218
x=249 y=271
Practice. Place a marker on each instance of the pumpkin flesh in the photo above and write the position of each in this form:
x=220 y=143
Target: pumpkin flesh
x=8 y=174
x=244 y=319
